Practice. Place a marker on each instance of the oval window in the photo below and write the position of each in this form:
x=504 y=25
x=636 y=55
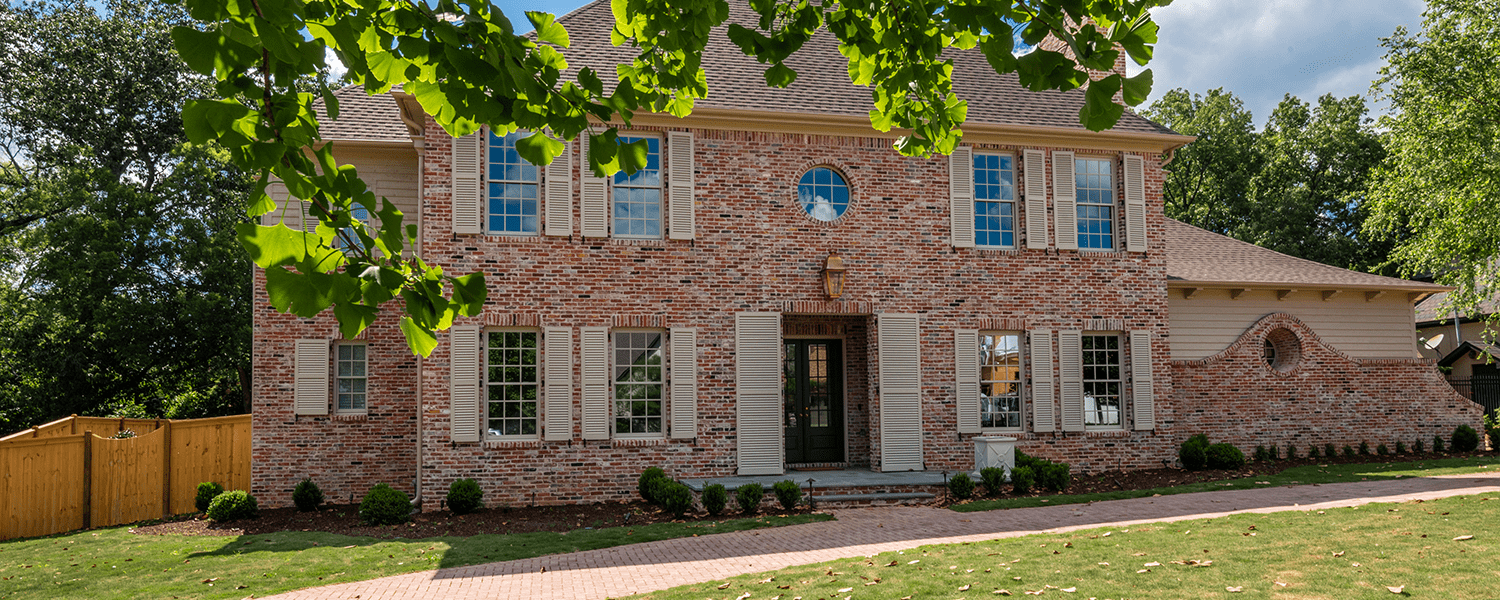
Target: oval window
x=823 y=194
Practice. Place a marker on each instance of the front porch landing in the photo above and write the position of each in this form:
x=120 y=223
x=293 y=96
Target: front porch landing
x=833 y=482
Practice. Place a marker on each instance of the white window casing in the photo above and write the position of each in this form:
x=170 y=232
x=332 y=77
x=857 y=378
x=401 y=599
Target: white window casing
x=683 y=361
x=966 y=375
x=1043 y=417
x=310 y=377
x=559 y=194
x=557 y=390
x=1070 y=368
x=1135 y=204
x=1065 y=200
x=758 y=410
x=1142 y=398
x=900 y=348
x=594 y=359
x=463 y=383
x=680 y=224
x=1036 y=198
x=468 y=185
x=961 y=196
x=593 y=195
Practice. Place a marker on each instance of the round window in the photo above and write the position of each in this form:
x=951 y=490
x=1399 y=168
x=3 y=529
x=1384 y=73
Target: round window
x=823 y=194
x=1281 y=350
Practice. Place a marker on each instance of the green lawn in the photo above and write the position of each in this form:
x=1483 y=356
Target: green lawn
x=1346 y=553
x=114 y=563
x=1293 y=476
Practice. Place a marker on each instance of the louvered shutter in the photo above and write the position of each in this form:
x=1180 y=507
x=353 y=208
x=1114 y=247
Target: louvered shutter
x=593 y=200
x=684 y=363
x=1142 y=391
x=557 y=412
x=757 y=384
x=1070 y=367
x=961 y=196
x=680 y=185
x=310 y=364
x=594 y=356
x=1065 y=200
x=559 y=209
x=900 y=392
x=1043 y=417
x=468 y=186
x=966 y=375
x=463 y=382
x=1135 y=204
x=1036 y=199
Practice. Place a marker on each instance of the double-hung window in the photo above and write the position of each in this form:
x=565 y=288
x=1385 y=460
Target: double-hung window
x=1102 y=380
x=513 y=187
x=637 y=196
x=1096 y=203
x=350 y=367
x=999 y=380
x=639 y=383
x=512 y=384
x=994 y=201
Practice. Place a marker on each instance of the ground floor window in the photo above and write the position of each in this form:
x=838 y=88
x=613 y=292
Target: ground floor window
x=1101 y=380
x=511 y=384
x=638 y=383
x=351 y=382
x=999 y=380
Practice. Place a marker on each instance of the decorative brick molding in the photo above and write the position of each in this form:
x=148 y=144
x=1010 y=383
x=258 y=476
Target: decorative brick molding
x=827 y=307
x=350 y=417
x=651 y=321
x=497 y=444
x=1011 y=324
x=494 y=318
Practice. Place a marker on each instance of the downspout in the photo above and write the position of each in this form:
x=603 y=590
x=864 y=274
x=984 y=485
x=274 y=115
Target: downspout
x=416 y=500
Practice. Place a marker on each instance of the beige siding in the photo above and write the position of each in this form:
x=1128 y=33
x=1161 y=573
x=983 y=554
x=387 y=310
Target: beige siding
x=1209 y=321
x=390 y=172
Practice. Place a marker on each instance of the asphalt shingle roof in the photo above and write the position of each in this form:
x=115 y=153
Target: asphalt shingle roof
x=363 y=117
x=1431 y=309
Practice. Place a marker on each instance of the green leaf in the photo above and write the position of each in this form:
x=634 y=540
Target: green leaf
x=538 y=148
x=421 y=340
x=547 y=28
x=272 y=246
x=1136 y=89
x=1099 y=110
x=205 y=121
x=780 y=75
x=353 y=318
x=469 y=292
x=302 y=294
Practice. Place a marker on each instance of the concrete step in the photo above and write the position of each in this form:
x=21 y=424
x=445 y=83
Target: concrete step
x=874 y=497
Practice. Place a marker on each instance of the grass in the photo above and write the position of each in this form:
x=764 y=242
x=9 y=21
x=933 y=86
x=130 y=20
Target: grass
x=114 y=563
x=1294 y=476
x=1346 y=553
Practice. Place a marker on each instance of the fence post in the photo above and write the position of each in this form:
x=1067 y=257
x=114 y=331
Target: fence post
x=166 y=469
x=88 y=479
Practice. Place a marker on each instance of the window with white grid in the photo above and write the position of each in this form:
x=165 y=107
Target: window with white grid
x=999 y=380
x=1101 y=380
x=1096 y=203
x=639 y=383
x=350 y=369
x=637 y=196
x=511 y=384
x=513 y=186
x=994 y=201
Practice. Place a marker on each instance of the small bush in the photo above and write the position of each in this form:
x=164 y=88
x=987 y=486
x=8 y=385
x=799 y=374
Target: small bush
x=1312 y=451
x=1328 y=451
x=1261 y=455
x=788 y=493
x=714 y=498
x=1364 y=448
x=675 y=497
x=1492 y=428
x=1400 y=447
x=207 y=491
x=1381 y=450
x=1224 y=456
x=1465 y=439
x=1348 y=450
x=1418 y=447
x=307 y=496
x=961 y=486
x=1026 y=460
x=232 y=506
x=384 y=505
x=650 y=481
x=1056 y=477
x=1022 y=479
x=994 y=478
x=748 y=496
x=1437 y=443
x=465 y=496
x=1190 y=453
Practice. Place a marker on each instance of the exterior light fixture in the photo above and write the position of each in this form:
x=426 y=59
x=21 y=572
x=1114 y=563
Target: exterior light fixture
x=833 y=277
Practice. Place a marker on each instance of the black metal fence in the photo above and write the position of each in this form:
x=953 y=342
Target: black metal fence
x=1484 y=389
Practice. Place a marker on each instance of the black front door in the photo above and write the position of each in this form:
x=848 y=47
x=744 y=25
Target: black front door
x=813 y=401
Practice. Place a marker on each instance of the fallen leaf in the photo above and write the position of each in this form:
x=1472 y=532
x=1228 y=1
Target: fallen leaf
x=768 y=580
x=1070 y=590
x=1002 y=592
x=1152 y=564
x=1397 y=589
x=1463 y=537
x=1107 y=533
x=210 y=580
x=1353 y=564
x=348 y=547
x=965 y=588
x=1280 y=583
x=1103 y=564
x=1144 y=571
x=1338 y=554
x=725 y=586
x=912 y=562
x=1235 y=588
x=892 y=564
x=743 y=596
x=1139 y=554
x=845 y=590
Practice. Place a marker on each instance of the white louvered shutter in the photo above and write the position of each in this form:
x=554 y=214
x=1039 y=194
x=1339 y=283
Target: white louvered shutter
x=1065 y=200
x=594 y=357
x=310 y=364
x=900 y=392
x=593 y=197
x=1135 y=204
x=1142 y=391
x=757 y=384
x=966 y=375
x=961 y=196
x=559 y=197
x=1043 y=416
x=684 y=363
x=463 y=382
x=1035 y=163
x=680 y=185
x=557 y=412
x=1070 y=367
x=468 y=186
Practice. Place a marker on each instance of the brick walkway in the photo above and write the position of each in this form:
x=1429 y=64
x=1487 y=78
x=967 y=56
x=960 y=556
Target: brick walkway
x=625 y=570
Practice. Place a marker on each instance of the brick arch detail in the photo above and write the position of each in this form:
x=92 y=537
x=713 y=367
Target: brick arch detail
x=1249 y=345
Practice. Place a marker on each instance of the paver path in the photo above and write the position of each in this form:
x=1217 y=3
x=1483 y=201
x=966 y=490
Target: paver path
x=625 y=570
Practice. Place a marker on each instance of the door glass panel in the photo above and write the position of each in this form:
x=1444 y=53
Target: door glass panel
x=820 y=412
x=789 y=385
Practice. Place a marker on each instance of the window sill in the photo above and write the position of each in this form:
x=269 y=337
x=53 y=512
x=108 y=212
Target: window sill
x=512 y=443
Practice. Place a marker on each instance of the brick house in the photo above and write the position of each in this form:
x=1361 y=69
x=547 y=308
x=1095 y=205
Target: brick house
x=781 y=289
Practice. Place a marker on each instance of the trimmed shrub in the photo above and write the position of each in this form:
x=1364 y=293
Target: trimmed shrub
x=1400 y=447
x=1418 y=447
x=650 y=481
x=994 y=478
x=714 y=498
x=1191 y=453
x=961 y=486
x=384 y=505
x=1381 y=450
x=1224 y=456
x=1022 y=479
x=1056 y=476
x=788 y=493
x=1364 y=448
x=1465 y=439
x=1291 y=451
x=1437 y=443
x=307 y=496
x=1492 y=429
x=1261 y=455
x=1328 y=451
x=464 y=496
x=232 y=506
x=1348 y=450
x=748 y=496
x=1312 y=451
x=207 y=491
x=675 y=497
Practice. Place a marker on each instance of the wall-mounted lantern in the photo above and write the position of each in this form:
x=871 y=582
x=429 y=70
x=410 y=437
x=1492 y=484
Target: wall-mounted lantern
x=833 y=277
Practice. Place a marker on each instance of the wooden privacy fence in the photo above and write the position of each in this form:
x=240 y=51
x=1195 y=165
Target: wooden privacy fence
x=64 y=476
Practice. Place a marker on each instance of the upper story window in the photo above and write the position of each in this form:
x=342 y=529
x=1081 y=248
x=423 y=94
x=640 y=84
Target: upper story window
x=823 y=194
x=999 y=380
x=511 y=384
x=994 y=201
x=639 y=383
x=1096 y=203
x=350 y=368
x=1102 y=380
x=513 y=187
x=637 y=196
x=358 y=213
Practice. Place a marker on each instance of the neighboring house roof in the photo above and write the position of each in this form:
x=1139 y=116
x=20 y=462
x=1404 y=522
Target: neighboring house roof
x=1431 y=311
x=363 y=117
x=1199 y=256
x=1465 y=348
